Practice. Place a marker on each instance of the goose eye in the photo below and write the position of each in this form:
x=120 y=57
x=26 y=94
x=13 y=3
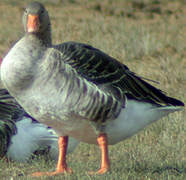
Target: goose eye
x=42 y=11
x=25 y=11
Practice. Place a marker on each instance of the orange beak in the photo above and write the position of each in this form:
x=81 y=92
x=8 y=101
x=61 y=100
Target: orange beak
x=33 y=23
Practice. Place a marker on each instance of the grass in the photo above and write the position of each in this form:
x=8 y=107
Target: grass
x=150 y=42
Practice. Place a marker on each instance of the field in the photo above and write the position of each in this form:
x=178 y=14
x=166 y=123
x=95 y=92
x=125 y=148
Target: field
x=150 y=38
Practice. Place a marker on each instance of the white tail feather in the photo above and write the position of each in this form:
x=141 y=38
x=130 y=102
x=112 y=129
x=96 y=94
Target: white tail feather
x=31 y=137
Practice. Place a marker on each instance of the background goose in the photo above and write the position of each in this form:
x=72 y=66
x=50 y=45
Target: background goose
x=78 y=90
x=21 y=136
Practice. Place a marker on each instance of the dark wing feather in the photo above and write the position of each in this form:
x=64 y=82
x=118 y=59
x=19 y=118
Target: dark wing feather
x=9 y=111
x=111 y=75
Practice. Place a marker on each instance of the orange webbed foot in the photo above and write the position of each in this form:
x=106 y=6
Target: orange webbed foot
x=102 y=170
x=54 y=173
x=61 y=165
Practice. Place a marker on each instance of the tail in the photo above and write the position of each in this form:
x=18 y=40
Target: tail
x=156 y=112
x=32 y=137
x=165 y=110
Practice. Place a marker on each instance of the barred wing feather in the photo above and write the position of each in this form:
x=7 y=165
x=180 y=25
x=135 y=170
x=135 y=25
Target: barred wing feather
x=110 y=75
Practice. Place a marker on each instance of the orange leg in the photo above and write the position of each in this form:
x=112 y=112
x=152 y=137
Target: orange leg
x=61 y=165
x=105 y=163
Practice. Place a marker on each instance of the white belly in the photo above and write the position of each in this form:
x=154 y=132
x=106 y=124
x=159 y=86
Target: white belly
x=134 y=117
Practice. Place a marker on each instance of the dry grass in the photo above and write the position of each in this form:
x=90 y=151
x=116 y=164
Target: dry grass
x=150 y=38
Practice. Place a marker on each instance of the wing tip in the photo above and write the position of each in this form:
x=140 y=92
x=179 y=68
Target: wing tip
x=175 y=102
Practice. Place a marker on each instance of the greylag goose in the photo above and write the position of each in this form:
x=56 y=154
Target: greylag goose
x=21 y=136
x=78 y=90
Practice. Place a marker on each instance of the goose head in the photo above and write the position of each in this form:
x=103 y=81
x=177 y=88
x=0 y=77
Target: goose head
x=36 y=21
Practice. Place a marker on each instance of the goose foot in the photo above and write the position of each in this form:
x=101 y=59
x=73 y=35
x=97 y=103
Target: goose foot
x=54 y=173
x=102 y=170
x=61 y=165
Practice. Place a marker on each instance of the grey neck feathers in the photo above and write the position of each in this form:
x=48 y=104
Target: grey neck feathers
x=45 y=37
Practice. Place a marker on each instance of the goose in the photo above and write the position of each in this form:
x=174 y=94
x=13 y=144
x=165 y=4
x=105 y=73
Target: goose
x=78 y=90
x=21 y=136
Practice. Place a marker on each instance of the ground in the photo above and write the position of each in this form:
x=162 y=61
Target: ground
x=150 y=38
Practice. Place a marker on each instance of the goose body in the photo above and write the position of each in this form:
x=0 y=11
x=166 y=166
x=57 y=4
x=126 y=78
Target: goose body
x=77 y=89
x=21 y=136
x=73 y=102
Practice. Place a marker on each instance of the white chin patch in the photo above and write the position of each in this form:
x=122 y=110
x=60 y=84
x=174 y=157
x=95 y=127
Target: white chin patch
x=32 y=30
